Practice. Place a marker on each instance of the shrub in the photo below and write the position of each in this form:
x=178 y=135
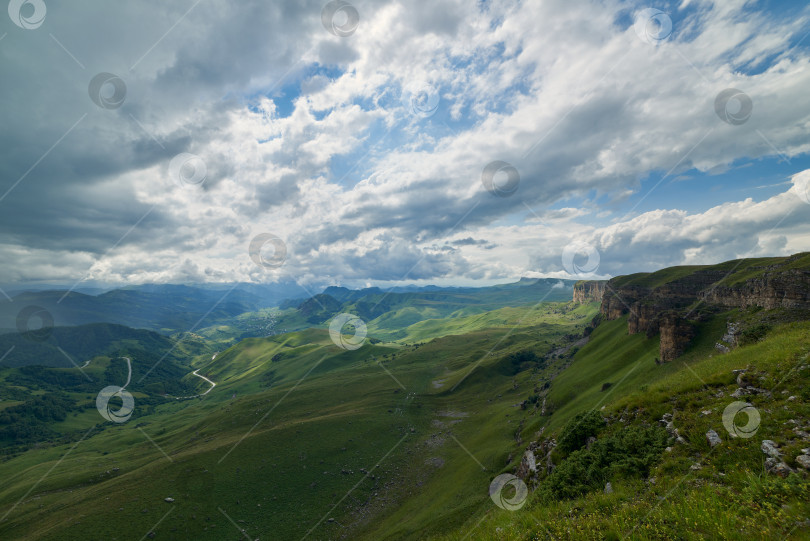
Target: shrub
x=753 y=334
x=520 y=361
x=576 y=433
x=630 y=452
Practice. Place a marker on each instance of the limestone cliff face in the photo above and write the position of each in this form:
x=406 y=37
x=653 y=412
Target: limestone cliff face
x=665 y=302
x=676 y=333
x=774 y=289
x=589 y=291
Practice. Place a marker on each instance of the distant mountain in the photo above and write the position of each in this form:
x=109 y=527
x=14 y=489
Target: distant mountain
x=391 y=310
x=344 y=294
x=319 y=308
x=160 y=307
x=64 y=346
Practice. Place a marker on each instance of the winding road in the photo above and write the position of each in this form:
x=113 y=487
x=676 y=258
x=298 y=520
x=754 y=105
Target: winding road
x=206 y=379
x=213 y=384
x=129 y=374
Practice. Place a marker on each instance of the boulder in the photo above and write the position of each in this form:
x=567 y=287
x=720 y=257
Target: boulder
x=713 y=438
x=771 y=449
x=801 y=433
x=528 y=466
x=777 y=467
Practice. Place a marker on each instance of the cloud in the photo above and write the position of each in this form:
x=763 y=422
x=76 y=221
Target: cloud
x=469 y=241
x=663 y=238
x=304 y=134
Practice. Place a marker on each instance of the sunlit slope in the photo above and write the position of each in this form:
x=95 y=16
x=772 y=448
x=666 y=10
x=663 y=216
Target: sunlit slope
x=695 y=491
x=397 y=441
x=278 y=444
x=468 y=320
x=388 y=314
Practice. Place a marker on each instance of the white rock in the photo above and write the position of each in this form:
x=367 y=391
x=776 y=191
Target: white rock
x=713 y=438
x=770 y=448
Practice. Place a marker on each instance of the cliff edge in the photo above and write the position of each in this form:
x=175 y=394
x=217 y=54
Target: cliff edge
x=671 y=301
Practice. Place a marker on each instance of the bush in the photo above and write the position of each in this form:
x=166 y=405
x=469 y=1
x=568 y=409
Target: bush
x=576 y=433
x=630 y=452
x=779 y=491
x=753 y=334
x=522 y=360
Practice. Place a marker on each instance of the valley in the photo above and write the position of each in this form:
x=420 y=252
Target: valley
x=289 y=435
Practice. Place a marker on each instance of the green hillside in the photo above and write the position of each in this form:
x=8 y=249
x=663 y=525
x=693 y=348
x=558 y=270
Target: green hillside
x=396 y=315
x=733 y=272
x=322 y=409
x=402 y=437
x=694 y=491
x=48 y=389
x=65 y=347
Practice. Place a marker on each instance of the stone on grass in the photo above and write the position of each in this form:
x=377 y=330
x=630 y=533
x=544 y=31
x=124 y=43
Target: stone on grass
x=777 y=467
x=769 y=447
x=713 y=438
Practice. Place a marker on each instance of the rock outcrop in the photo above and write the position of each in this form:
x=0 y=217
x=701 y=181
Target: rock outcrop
x=676 y=334
x=670 y=302
x=528 y=465
x=773 y=289
x=586 y=291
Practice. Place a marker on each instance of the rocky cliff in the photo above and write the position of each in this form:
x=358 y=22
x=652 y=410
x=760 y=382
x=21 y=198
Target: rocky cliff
x=671 y=301
x=586 y=291
x=773 y=289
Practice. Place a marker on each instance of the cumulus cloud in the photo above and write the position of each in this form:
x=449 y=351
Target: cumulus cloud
x=306 y=135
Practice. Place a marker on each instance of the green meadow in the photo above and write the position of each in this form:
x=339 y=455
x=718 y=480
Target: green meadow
x=400 y=438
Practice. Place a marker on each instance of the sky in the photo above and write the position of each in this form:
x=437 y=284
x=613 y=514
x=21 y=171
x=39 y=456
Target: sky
x=387 y=142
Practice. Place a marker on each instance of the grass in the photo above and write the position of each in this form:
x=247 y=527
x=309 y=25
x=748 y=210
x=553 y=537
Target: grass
x=315 y=409
x=729 y=497
x=738 y=270
x=282 y=446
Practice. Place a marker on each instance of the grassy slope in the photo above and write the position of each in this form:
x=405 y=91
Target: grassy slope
x=471 y=319
x=738 y=271
x=730 y=497
x=316 y=411
x=403 y=312
x=438 y=441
